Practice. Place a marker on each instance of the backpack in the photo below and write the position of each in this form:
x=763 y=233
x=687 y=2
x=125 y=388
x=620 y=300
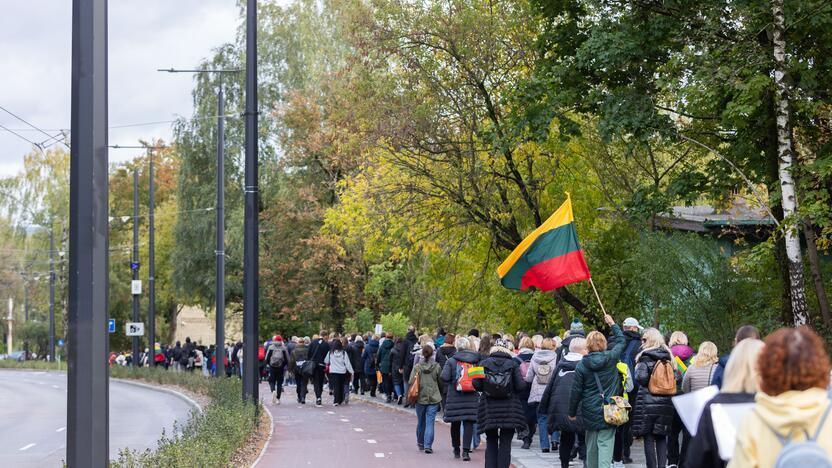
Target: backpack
x=544 y=373
x=524 y=367
x=804 y=453
x=277 y=359
x=497 y=384
x=464 y=381
x=662 y=379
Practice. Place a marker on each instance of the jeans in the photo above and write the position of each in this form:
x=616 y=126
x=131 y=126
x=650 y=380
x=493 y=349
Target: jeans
x=544 y=435
x=498 y=448
x=398 y=390
x=599 y=445
x=276 y=380
x=655 y=451
x=467 y=429
x=475 y=436
x=318 y=380
x=426 y=415
x=302 y=384
x=336 y=383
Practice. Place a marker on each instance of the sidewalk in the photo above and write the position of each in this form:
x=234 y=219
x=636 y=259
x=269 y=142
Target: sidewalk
x=520 y=458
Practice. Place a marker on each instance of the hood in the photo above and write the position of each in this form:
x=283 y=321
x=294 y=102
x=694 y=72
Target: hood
x=656 y=354
x=544 y=356
x=447 y=350
x=683 y=351
x=372 y=344
x=525 y=351
x=417 y=349
x=411 y=337
x=499 y=362
x=300 y=346
x=595 y=361
x=573 y=357
x=792 y=409
x=428 y=367
x=387 y=344
x=466 y=355
x=568 y=365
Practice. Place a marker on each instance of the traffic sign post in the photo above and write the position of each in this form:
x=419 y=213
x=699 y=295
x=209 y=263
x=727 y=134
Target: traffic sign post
x=134 y=328
x=111 y=325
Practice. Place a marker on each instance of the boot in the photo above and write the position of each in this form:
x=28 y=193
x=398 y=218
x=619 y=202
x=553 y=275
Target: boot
x=456 y=452
x=389 y=399
x=527 y=442
x=466 y=455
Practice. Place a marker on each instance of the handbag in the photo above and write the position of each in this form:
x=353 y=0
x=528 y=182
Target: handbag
x=307 y=369
x=413 y=390
x=615 y=408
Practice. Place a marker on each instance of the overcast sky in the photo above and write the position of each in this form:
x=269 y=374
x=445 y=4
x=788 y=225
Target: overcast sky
x=35 y=48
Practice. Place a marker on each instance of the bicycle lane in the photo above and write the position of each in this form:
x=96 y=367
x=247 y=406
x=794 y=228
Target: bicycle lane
x=359 y=433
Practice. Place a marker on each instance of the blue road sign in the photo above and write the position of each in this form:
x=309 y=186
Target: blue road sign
x=134 y=266
x=111 y=325
x=60 y=343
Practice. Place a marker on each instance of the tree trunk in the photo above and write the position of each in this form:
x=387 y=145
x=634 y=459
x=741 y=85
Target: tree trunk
x=564 y=315
x=814 y=267
x=785 y=164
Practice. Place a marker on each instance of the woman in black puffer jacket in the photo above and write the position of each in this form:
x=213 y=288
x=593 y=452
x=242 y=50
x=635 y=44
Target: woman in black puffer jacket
x=653 y=414
x=460 y=406
x=500 y=416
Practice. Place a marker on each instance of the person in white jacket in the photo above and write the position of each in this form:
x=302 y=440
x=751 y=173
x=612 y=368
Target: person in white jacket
x=340 y=369
x=540 y=371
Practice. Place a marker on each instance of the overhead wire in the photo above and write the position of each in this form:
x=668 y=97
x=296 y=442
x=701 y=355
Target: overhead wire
x=49 y=137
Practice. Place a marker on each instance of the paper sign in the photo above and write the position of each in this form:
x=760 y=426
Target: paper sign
x=727 y=419
x=690 y=406
x=136 y=287
x=378 y=329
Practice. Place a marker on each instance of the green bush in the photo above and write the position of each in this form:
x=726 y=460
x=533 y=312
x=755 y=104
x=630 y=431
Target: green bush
x=396 y=323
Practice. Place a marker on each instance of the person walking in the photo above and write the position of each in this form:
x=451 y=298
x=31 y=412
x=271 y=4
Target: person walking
x=339 y=369
x=356 y=350
x=444 y=352
x=277 y=357
x=383 y=364
x=461 y=398
x=623 y=434
x=500 y=413
x=368 y=358
x=681 y=354
x=299 y=357
x=739 y=386
x=318 y=351
x=176 y=355
x=524 y=360
x=397 y=371
x=597 y=369
x=701 y=371
x=405 y=348
x=539 y=374
x=555 y=403
x=653 y=415
x=426 y=376
x=792 y=406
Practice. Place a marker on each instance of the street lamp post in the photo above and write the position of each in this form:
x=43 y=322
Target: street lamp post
x=135 y=265
x=219 y=252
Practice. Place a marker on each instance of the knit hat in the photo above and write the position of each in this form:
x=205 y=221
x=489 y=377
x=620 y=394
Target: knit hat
x=277 y=338
x=576 y=325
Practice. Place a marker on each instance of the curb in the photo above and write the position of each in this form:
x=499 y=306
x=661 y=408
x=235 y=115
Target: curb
x=269 y=439
x=170 y=391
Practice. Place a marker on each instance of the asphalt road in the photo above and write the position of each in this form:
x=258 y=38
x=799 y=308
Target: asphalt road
x=33 y=417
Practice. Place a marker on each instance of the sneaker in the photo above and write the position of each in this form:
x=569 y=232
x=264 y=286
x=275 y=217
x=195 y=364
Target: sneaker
x=337 y=404
x=617 y=464
x=466 y=455
x=421 y=447
x=278 y=400
x=274 y=398
x=672 y=465
x=303 y=402
x=527 y=444
x=456 y=452
x=428 y=450
x=555 y=446
x=628 y=460
x=318 y=402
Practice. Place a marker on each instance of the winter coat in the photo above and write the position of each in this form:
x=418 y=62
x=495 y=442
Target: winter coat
x=383 y=357
x=368 y=357
x=563 y=350
x=300 y=354
x=428 y=372
x=541 y=356
x=318 y=350
x=585 y=388
x=459 y=406
x=396 y=364
x=791 y=412
x=697 y=378
x=505 y=413
x=339 y=362
x=554 y=401
x=444 y=353
x=406 y=350
x=703 y=449
x=354 y=350
x=524 y=361
x=719 y=372
x=631 y=349
x=653 y=414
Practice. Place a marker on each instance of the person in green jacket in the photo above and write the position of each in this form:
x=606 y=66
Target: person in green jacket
x=597 y=368
x=427 y=405
x=383 y=365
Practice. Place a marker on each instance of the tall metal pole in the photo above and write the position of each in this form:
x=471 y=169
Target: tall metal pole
x=219 y=353
x=51 y=294
x=151 y=267
x=26 y=312
x=250 y=238
x=136 y=343
x=87 y=435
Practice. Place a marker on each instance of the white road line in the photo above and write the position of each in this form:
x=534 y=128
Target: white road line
x=26 y=447
x=379 y=455
x=60 y=429
x=345 y=420
x=358 y=429
x=330 y=412
x=55 y=386
x=371 y=441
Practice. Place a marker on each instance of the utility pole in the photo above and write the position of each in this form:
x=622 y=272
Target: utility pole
x=51 y=294
x=251 y=379
x=151 y=264
x=88 y=435
x=219 y=252
x=135 y=264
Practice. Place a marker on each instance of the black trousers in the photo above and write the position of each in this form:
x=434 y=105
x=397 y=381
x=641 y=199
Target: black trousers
x=357 y=380
x=675 y=450
x=655 y=451
x=336 y=384
x=387 y=384
x=276 y=375
x=302 y=383
x=371 y=382
x=498 y=448
x=318 y=380
x=467 y=434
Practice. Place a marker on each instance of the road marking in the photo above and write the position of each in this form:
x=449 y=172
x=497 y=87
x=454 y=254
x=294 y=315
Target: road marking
x=26 y=447
x=345 y=420
x=358 y=429
x=371 y=441
x=55 y=386
x=330 y=412
x=379 y=455
x=60 y=429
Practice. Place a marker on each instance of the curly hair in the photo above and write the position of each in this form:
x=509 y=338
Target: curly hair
x=793 y=359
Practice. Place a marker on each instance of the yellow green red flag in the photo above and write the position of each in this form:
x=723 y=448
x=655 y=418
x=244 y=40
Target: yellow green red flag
x=549 y=257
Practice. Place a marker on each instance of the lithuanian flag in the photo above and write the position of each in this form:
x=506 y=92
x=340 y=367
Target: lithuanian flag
x=550 y=257
x=476 y=372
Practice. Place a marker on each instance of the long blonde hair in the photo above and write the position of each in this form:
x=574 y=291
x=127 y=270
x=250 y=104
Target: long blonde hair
x=653 y=339
x=707 y=355
x=741 y=374
x=678 y=338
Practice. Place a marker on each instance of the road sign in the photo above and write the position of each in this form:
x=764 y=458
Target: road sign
x=134 y=266
x=134 y=328
x=136 y=287
x=60 y=343
x=111 y=325
x=378 y=329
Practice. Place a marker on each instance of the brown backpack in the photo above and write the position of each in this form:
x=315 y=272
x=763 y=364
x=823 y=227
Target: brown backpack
x=662 y=380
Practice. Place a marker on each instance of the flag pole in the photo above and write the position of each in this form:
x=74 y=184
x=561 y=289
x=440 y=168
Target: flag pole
x=597 y=296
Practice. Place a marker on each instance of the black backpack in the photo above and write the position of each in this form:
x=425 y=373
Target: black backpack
x=497 y=384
